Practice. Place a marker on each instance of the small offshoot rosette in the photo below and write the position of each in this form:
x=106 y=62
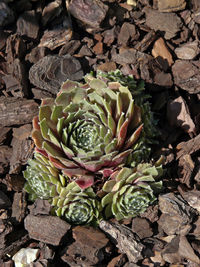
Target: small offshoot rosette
x=129 y=191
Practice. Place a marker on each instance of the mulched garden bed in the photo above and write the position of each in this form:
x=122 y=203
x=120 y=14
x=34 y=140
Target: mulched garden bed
x=43 y=43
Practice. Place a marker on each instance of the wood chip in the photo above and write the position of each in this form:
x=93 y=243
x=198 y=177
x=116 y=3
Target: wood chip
x=70 y=47
x=127 y=32
x=15 y=111
x=186 y=251
x=27 y=24
x=188 y=147
x=107 y=66
x=23 y=150
x=160 y=49
x=141 y=227
x=130 y=56
x=188 y=50
x=48 y=229
x=171 y=5
x=4 y=200
x=14 y=182
x=98 y=48
x=178 y=115
x=51 y=71
x=37 y=53
x=110 y=35
x=177 y=215
x=40 y=207
x=90 y=12
x=170 y=23
x=17 y=81
x=15 y=47
x=89 y=244
x=193 y=199
x=146 y=41
x=5 y=155
x=22 y=132
x=124 y=239
x=186 y=168
x=6 y=14
x=187 y=75
x=18 y=207
x=117 y=261
x=55 y=38
x=51 y=11
x=163 y=79
x=3 y=133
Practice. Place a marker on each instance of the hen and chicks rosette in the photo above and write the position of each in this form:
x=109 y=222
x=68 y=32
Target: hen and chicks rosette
x=91 y=134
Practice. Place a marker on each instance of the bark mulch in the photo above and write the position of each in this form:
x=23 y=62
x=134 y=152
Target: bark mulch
x=42 y=43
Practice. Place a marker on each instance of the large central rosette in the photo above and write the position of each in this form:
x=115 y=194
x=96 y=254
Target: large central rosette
x=88 y=129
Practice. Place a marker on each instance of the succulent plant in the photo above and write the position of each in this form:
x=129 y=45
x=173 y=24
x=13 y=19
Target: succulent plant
x=89 y=129
x=142 y=148
x=90 y=133
x=43 y=180
x=77 y=206
x=129 y=191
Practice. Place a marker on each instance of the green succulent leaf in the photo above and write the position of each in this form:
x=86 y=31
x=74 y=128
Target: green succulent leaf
x=99 y=124
x=131 y=191
x=42 y=178
x=78 y=207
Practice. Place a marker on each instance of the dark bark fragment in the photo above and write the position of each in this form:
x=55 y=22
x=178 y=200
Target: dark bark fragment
x=14 y=182
x=51 y=11
x=141 y=227
x=51 y=71
x=4 y=201
x=3 y=133
x=48 y=229
x=13 y=242
x=5 y=155
x=148 y=39
x=188 y=147
x=177 y=215
x=55 y=38
x=178 y=249
x=22 y=151
x=89 y=246
x=171 y=6
x=40 y=207
x=18 y=207
x=37 y=53
x=127 y=33
x=6 y=14
x=186 y=168
x=169 y=23
x=124 y=239
x=186 y=75
x=15 y=47
x=17 y=81
x=27 y=24
x=90 y=12
x=15 y=111
x=70 y=47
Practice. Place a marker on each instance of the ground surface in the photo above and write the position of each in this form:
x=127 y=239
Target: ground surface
x=157 y=41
